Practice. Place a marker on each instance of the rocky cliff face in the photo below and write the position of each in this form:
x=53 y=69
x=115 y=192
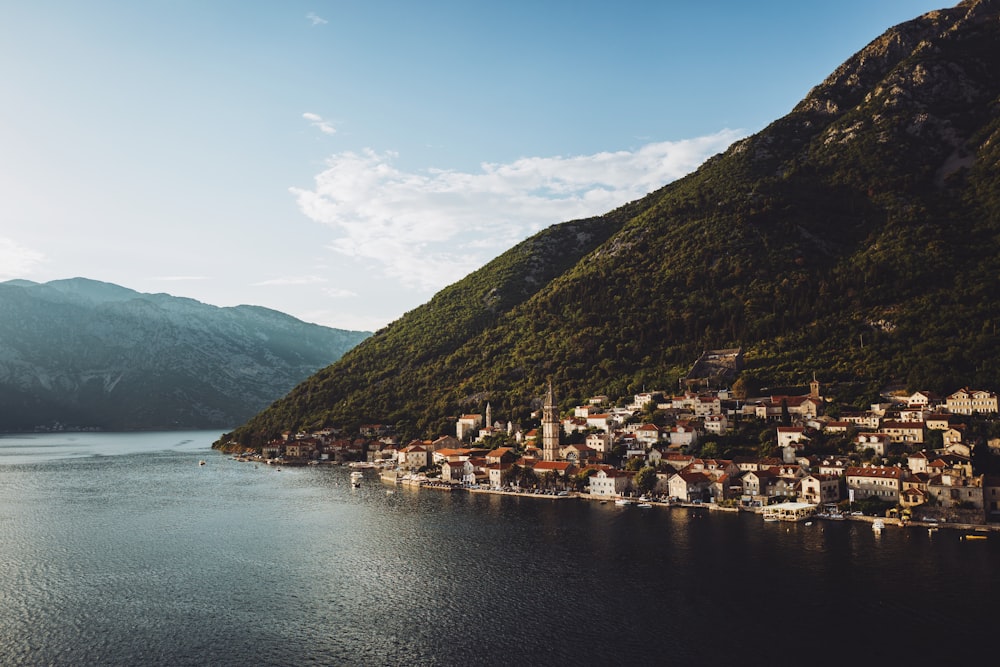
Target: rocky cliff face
x=80 y=353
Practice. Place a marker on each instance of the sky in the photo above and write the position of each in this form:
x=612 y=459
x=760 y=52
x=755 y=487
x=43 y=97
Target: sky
x=341 y=160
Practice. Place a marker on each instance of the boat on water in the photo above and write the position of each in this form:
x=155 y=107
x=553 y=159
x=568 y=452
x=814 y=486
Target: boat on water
x=202 y=462
x=973 y=537
x=623 y=502
x=356 y=478
x=644 y=505
x=878 y=525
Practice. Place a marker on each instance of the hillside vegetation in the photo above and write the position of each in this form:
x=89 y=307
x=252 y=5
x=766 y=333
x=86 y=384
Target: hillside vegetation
x=857 y=238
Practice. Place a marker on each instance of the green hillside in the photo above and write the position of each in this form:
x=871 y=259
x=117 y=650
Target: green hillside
x=857 y=238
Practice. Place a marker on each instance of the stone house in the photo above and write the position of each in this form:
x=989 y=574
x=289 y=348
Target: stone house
x=599 y=442
x=716 y=424
x=495 y=471
x=883 y=482
x=957 y=491
x=967 y=401
x=648 y=435
x=819 y=489
x=413 y=457
x=457 y=472
x=759 y=485
x=610 y=483
x=910 y=434
x=684 y=434
x=874 y=441
x=794 y=436
x=707 y=405
x=690 y=486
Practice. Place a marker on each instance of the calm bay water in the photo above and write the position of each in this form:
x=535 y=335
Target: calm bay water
x=119 y=549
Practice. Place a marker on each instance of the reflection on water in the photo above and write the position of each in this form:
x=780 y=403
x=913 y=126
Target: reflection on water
x=134 y=554
x=40 y=448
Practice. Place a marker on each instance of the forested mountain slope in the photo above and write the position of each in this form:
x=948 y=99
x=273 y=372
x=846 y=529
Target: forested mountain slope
x=858 y=238
x=82 y=353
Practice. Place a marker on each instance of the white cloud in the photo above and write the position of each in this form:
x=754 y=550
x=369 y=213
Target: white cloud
x=339 y=293
x=314 y=19
x=16 y=261
x=290 y=280
x=428 y=229
x=317 y=121
x=179 y=278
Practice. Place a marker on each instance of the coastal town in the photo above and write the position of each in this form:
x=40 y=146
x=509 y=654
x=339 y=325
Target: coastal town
x=908 y=459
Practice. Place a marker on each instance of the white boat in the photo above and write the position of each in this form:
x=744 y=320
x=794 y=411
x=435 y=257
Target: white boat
x=878 y=525
x=202 y=462
x=623 y=502
x=644 y=505
x=356 y=478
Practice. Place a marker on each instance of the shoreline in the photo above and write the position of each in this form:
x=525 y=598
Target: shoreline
x=711 y=507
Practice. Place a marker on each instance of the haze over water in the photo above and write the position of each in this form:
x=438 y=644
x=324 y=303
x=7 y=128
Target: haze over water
x=119 y=549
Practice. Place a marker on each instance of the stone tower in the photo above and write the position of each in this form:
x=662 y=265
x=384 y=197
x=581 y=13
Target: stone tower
x=489 y=415
x=814 y=387
x=550 y=427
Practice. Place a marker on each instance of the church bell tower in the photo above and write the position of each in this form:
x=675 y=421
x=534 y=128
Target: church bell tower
x=550 y=427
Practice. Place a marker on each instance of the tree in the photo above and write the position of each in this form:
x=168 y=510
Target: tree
x=645 y=480
x=511 y=476
x=710 y=450
x=501 y=439
x=935 y=439
x=582 y=478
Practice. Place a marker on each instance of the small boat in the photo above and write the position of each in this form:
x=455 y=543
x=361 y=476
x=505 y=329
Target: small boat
x=878 y=525
x=973 y=537
x=770 y=519
x=356 y=478
x=623 y=502
x=808 y=523
x=202 y=462
x=644 y=505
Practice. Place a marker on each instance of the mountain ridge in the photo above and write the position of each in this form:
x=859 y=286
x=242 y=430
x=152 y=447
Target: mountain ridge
x=848 y=238
x=81 y=353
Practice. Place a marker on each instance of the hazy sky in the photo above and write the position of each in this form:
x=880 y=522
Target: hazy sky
x=343 y=160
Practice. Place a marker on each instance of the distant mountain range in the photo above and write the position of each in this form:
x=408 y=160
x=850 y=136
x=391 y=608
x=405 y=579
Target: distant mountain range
x=857 y=238
x=80 y=353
